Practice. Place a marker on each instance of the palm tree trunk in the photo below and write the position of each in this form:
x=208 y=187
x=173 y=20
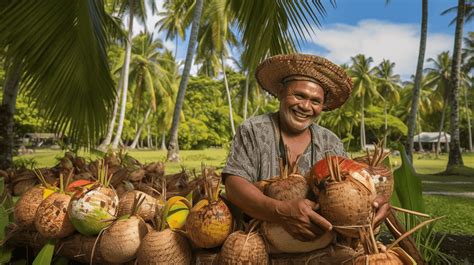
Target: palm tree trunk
x=148 y=136
x=7 y=110
x=163 y=140
x=455 y=156
x=469 y=129
x=386 y=124
x=362 y=125
x=110 y=132
x=418 y=76
x=126 y=65
x=441 y=126
x=140 y=128
x=246 y=94
x=173 y=148
x=229 y=100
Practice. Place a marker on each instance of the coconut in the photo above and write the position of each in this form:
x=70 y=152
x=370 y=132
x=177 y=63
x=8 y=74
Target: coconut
x=147 y=210
x=164 y=247
x=346 y=193
x=51 y=218
x=210 y=221
x=25 y=209
x=288 y=187
x=92 y=211
x=120 y=242
x=381 y=174
x=137 y=174
x=242 y=248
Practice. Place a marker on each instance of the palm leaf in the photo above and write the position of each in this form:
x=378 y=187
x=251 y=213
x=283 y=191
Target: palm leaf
x=62 y=48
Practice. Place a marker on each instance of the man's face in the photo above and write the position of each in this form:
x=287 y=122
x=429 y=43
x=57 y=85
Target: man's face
x=300 y=104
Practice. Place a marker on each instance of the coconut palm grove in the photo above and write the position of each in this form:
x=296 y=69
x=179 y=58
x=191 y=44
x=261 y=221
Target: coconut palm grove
x=117 y=118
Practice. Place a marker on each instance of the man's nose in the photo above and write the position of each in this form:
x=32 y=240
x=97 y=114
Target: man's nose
x=305 y=104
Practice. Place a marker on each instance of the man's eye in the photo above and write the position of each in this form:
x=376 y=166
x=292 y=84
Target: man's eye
x=298 y=97
x=316 y=102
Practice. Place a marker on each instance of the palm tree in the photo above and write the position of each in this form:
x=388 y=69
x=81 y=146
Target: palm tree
x=364 y=87
x=173 y=143
x=135 y=8
x=455 y=155
x=59 y=50
x=213 y=37
x=266 y=27
x=174 y=20
x=388 y=83
x=438 y=77
x=145 y=69
x=418 y=76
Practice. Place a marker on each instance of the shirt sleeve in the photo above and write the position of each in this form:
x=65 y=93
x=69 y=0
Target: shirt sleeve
x=243 y=157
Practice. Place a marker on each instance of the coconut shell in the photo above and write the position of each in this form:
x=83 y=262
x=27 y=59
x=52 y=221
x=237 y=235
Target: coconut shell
x=120 y=242
x=285 y=189
x=283 y=242
x=147 y=209
x=241 y=248
x=165 y=247
x=208 y=225
x=20 y=187
x=25 y=209
x=137 y=174
x=383 y=258
x=346 y=203
x=52 y=218
x=90 y=211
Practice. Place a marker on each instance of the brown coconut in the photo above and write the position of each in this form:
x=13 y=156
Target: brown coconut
x=52 y=218
x=294 y=186
x=165 y=247
x=242 y=248
x=209 y=224
x=137 y=174
x=25 y=209
x=120 y=242
x=147 y=209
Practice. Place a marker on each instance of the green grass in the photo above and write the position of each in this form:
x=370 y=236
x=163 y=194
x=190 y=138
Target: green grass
x=459 y=213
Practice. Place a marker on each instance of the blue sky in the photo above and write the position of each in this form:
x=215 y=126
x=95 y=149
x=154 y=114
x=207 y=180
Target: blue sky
x=372 y=28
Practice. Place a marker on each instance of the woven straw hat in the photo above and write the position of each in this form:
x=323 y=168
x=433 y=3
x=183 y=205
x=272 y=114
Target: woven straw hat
x=332 y=78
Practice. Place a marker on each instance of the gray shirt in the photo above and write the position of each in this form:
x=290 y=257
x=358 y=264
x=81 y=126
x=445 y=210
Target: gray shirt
x=255 y=149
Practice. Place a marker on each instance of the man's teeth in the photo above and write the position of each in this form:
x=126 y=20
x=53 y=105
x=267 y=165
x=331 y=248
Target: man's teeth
x=301 y=115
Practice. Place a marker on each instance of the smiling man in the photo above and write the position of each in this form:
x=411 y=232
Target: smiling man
x=306 y=85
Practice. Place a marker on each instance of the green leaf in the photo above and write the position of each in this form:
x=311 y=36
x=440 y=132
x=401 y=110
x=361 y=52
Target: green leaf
x=408 y=185
x=5 y=255
x=45 y=256
x=3 y=221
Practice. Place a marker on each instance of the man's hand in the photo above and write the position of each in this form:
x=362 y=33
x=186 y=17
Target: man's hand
x=382 y=209
x=300 y=220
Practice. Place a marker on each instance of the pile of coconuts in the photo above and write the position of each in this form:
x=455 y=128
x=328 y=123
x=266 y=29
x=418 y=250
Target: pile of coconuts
x=133 y=212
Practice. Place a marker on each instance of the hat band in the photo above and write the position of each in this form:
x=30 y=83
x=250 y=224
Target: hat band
x=299 y=77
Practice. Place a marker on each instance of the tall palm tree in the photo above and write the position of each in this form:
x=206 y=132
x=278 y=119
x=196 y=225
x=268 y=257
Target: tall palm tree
x=439 y=76
x=213 y=36
x=388 y=84
x=173 y=147
x=418 y=76
x=174 y=20
x=455 y=155
x=364 y=87
x=61 y=48
x=266 y=27
x=135 y=9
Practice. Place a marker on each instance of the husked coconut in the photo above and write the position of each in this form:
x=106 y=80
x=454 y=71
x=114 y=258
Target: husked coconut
x=242 y=248
x=52 y=219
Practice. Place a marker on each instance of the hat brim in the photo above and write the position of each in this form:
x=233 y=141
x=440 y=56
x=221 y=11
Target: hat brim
x=332 y=78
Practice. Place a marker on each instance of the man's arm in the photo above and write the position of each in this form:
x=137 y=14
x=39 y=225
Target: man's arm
x=297 y=216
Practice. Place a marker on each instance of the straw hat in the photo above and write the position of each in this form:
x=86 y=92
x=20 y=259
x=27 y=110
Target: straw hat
x=272 y=73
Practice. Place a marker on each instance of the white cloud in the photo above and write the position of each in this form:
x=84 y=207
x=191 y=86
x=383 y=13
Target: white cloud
x=380 y=40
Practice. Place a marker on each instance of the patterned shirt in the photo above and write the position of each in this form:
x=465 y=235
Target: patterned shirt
x=254 y=154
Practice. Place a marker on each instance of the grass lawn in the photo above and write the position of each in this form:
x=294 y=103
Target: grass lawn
x=460 y=211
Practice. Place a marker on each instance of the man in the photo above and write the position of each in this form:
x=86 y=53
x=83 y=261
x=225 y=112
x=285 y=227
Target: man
x=306 y=85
